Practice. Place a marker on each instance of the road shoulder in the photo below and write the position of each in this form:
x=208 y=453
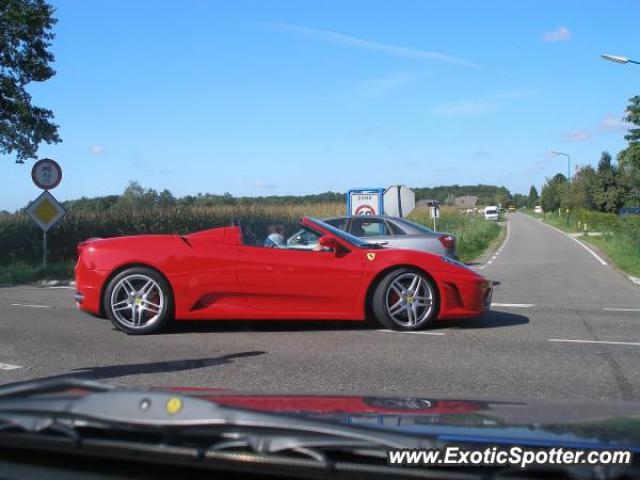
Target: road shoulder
x=485 y=258
x=591 y=246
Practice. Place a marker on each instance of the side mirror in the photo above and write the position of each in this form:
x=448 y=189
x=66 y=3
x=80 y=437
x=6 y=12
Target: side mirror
x=329 y=243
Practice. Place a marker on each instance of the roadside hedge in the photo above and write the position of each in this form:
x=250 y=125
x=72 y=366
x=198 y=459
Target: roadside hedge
x=609 y=223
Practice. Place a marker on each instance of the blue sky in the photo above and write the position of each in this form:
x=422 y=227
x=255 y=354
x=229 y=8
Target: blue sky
x=291 y=97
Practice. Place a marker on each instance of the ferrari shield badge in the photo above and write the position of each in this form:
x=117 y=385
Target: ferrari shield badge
x=371 y=256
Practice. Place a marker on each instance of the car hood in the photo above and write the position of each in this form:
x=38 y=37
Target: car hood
x=580 y=425
x=481 y=421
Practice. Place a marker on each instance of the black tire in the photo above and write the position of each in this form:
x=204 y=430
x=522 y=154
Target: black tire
x=426 y=317
x=156 y=318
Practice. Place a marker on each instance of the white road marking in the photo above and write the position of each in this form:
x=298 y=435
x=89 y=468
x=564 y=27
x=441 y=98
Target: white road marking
x=514 y=305
x=416 y=332
x=29 y=305
x=605 y=342
x=8 y=366
x=621 y=309
x=634 y=280
x=61 y=288
x=595 y=255
x=499 y=251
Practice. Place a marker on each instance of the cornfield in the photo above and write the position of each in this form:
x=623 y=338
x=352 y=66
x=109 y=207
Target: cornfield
x=21 y=240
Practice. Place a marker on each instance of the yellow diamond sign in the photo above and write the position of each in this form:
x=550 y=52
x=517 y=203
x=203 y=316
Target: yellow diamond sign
x=45 y=211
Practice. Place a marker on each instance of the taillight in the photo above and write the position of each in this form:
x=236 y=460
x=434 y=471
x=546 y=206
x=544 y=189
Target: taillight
x=448 y=241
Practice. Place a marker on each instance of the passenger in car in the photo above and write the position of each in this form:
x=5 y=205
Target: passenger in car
x=276 y=236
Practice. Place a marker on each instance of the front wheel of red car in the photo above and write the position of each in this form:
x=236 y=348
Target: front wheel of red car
x=406 y=299
x=138 y=300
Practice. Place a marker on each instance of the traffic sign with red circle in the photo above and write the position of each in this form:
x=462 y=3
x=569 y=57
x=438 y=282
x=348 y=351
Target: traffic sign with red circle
x=46 y=174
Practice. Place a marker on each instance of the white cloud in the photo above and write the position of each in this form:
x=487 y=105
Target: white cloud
x=609 y=123
x=96 y=150
x=372 y=46
x=474 y=106
x=561 y=34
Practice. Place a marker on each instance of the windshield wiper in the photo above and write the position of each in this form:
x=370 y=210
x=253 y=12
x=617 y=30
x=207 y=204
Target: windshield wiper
x=167 y=427
x=107 y=419
x=51 y=385
x=108 y=406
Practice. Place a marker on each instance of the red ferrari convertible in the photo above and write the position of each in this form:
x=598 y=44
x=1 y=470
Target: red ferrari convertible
x=144 y=282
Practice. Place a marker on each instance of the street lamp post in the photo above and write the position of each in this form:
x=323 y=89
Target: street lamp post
x=554 y=152
x=618 y=59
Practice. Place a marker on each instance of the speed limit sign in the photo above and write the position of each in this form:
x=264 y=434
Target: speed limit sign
x=365 y=210
x=364 y=201
x=46 y=174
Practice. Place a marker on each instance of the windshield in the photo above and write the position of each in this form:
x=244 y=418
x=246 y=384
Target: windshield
x=355 y=241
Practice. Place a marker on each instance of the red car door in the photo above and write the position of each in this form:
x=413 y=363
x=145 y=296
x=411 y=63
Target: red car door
x=291 y=280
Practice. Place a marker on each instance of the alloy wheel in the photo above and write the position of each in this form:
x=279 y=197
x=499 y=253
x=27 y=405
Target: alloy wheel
x=409 y=299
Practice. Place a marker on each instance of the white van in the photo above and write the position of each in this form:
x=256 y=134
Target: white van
x=491 y=213
x=537 y=209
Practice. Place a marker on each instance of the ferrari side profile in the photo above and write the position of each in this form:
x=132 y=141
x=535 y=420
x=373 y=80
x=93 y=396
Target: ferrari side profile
x=144 y=282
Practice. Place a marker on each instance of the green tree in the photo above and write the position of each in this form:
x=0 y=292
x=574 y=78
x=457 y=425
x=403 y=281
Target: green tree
x=166 y=198
x=520 y=200
x=552 y=192
x=533 y=198
x=25 y=38
x=136 y=197
x=607 y=188
x=580 y=192
x=629 y=158
x=632 y=116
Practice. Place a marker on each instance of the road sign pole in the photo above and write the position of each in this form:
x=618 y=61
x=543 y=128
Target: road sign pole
x=44 y=249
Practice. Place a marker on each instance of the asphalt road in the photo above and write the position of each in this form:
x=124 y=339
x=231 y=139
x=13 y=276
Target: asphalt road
x=564 y=326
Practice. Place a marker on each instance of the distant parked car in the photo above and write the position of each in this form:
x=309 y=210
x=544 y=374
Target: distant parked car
x=395 y=232
x=512 y=208
x=623 y=212
x=537 y=209
x=491 y=213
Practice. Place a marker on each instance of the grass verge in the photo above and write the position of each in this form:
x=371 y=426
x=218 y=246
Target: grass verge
x=483 y=256
x=620 y=250
x=560 y=222
x=620 y=242
x=473 y=234
x=21 y=272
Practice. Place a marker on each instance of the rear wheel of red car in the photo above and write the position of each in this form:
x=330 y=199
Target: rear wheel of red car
x=138 y=300
x=406 y=299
